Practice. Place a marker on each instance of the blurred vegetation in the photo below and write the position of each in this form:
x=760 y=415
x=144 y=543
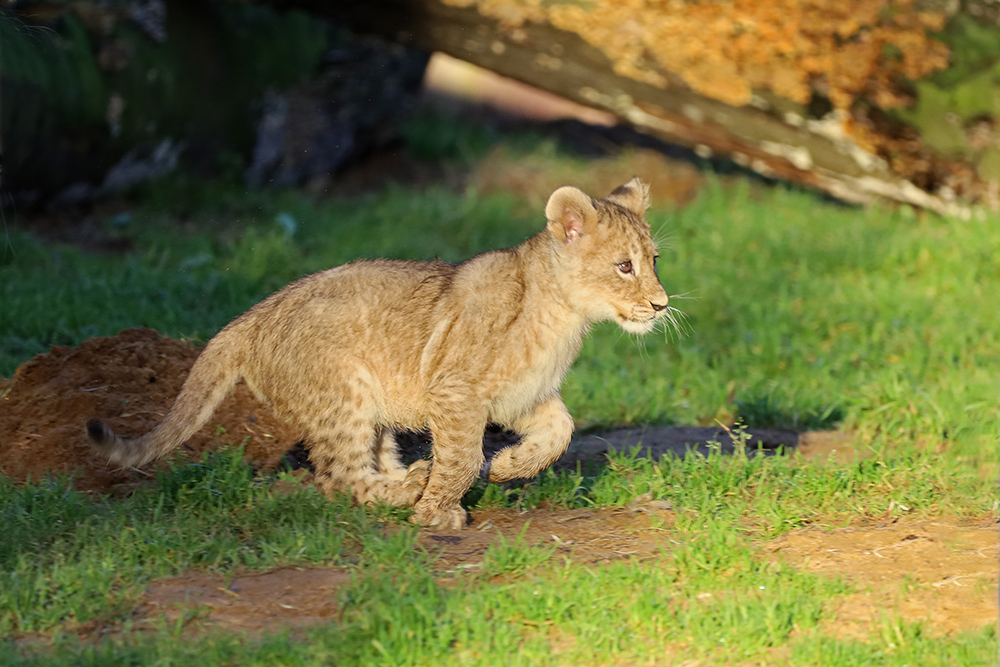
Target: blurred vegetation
x=88 y=85
x=92 y=82
x=957 y=109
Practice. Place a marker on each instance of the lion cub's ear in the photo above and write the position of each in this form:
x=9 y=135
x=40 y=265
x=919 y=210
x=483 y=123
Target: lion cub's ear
x=634 y=196
x=570 y=213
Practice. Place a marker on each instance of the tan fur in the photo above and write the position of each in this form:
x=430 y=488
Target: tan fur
x=350 y=353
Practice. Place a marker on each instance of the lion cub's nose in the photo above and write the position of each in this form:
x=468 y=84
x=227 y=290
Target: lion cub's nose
x=658 y=306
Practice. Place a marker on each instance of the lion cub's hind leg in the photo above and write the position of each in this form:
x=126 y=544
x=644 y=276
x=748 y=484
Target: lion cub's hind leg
x=343 y=450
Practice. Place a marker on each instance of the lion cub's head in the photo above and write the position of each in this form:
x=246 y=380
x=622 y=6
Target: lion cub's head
x=607 y=255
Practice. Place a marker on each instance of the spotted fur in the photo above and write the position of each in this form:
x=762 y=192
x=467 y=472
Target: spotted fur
x=349 y=354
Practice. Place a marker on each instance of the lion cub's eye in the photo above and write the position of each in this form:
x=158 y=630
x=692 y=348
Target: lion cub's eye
x=626 y=267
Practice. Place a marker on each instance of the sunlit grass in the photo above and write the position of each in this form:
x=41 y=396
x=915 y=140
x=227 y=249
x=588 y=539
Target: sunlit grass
x=68 y=559
x=800 y=314
x=710 y=595
x=765 y=496
x=804 y=313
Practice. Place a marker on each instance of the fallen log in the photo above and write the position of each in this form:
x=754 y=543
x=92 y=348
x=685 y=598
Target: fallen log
x=103 y=96
x=827 y=149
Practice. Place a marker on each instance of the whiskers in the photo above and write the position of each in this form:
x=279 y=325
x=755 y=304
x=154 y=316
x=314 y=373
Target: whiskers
x=663 y=237
x=675 y=321
x=675 y=324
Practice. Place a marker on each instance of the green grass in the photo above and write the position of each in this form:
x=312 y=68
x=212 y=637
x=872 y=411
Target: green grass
x=67 y=559
x=709 y=596
x=764 y=495
x=801 y=315
x=514 y=556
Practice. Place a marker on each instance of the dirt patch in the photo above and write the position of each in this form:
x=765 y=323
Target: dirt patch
x=921 y=570
x=291 y=598
x=130 y=381
x=253 y=603
x=586 y=536
x=826 y=445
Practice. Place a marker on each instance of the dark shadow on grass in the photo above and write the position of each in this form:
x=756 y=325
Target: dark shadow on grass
x=591 y=449
x=764 y=412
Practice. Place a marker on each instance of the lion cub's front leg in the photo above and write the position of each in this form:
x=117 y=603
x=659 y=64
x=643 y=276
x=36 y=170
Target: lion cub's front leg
x=458 y=457
x=545 y=435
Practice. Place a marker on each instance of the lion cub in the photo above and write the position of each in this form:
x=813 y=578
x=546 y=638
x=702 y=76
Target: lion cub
x=349 y=354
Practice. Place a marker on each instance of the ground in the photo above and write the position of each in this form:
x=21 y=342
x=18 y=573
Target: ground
x=934 y=570
x=944 y=561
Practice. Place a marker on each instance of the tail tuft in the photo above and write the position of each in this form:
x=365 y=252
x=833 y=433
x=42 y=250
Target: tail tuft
x=210 y=380
x=99 y=433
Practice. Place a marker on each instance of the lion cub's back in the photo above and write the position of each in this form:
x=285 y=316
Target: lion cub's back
x=390 y=282
x=380 y=285
x=358 y=304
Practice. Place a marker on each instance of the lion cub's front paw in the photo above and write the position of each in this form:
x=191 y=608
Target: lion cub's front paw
x=444 y=518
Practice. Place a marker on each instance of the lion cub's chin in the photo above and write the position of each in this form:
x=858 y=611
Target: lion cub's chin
x=638 y=328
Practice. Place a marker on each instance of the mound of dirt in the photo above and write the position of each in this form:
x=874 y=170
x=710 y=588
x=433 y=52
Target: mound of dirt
x=129 y=381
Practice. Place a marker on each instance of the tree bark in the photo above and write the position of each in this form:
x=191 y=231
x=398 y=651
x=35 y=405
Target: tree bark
x=813 y=153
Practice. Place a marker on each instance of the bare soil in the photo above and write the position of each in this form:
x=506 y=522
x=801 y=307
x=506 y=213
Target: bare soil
x=924 y=570
x=129 y=381
x=287 y=598
x=303 y=597
x=921 y=570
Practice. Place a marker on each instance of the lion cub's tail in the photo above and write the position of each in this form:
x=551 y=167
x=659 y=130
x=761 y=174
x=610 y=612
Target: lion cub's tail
x=212 y=377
